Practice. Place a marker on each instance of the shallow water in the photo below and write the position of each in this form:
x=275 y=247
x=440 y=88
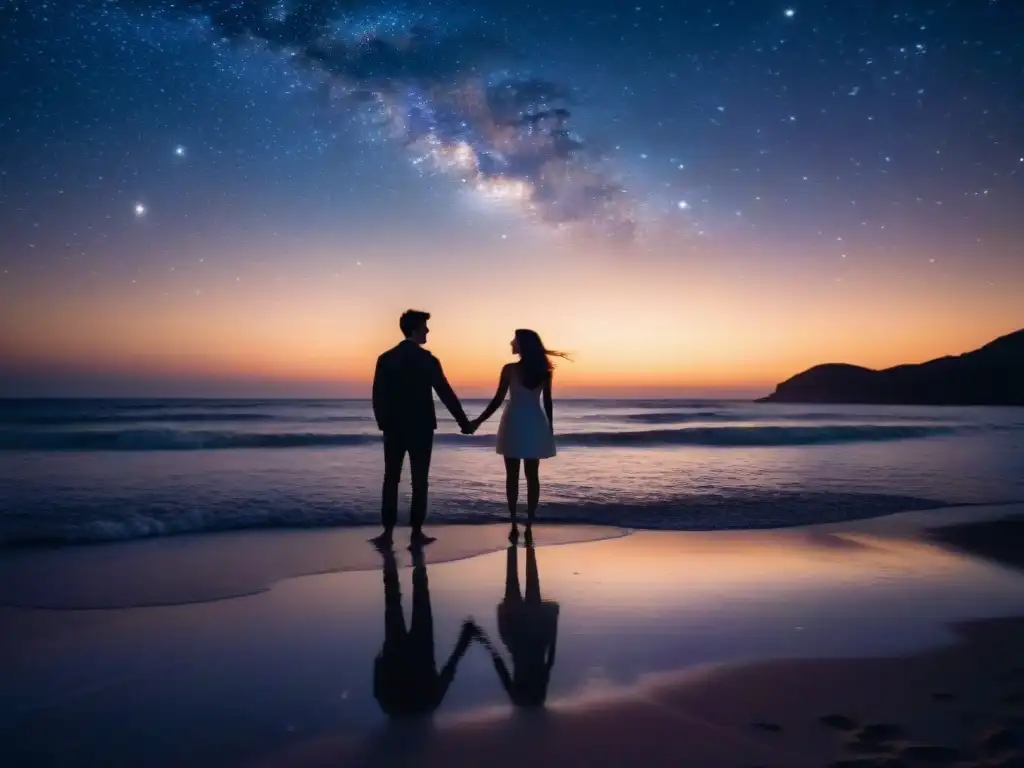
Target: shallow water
x=217 y=683
x=106 y=470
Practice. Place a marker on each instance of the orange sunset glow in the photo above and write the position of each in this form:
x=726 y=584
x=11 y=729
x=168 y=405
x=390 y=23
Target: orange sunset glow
x=712 y=326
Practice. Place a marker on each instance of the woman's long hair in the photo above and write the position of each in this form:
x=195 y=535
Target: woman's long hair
x=535 y=359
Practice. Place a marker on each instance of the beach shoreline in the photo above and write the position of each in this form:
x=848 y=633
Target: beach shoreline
x=191 y=568
x=188 y=569
x=709 y=648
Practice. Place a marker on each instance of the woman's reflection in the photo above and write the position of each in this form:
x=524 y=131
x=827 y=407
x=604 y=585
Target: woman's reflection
x=405 y=677
x=528 y=626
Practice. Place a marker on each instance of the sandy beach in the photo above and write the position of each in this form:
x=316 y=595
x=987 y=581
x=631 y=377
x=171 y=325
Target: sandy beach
x=892 y=641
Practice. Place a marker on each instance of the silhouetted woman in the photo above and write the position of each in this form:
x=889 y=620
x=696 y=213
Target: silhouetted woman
x=528 y=626
x=526 y=431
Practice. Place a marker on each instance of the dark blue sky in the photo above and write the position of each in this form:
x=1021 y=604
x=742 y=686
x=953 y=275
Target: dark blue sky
x=174 y=145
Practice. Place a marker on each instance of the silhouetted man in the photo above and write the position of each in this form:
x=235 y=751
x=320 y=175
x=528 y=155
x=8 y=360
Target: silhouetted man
x=403 y=404
x=406 y=681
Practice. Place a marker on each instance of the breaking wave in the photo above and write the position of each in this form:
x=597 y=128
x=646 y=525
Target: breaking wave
x=142 y=439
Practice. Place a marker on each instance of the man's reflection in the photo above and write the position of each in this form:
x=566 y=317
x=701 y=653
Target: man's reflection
x=405 y=677
x=528 y=626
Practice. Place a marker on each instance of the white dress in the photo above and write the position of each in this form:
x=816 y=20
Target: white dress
x=524 y=432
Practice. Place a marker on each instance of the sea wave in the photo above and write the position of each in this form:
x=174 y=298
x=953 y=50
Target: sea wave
x=755 y=436
x=756 y=509
x=140 y=420
x=685 y=417
x=200 y=417
x=63 y=419
x=676 y=417
x=717 y=436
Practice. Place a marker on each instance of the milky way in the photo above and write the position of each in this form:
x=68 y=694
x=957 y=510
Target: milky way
x=813 y=138
x=440 y=92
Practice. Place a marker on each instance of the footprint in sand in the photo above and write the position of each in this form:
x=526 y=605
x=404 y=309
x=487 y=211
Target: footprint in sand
x=879 y=732
x=870 y=748
x=999 y=741
x=875 y=739
x=931 y=754
x=839 y=722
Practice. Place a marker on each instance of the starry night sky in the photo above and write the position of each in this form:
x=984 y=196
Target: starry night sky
x=226 y=197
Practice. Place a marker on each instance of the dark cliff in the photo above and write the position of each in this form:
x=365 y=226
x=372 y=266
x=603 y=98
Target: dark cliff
x=992 y=375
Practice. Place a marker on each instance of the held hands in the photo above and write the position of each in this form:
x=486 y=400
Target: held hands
x=472 y=631
x=469 y=427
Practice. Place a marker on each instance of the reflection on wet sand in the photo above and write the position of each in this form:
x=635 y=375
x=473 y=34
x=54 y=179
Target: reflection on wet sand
x=406 y=681
x=528 y=626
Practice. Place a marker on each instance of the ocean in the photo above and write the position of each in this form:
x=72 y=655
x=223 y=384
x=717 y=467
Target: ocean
x=86 y=471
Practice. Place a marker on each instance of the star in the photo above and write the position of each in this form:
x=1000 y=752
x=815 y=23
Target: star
x=179 y=151
x=683 y=205
x=140 y=210
x=789 y=13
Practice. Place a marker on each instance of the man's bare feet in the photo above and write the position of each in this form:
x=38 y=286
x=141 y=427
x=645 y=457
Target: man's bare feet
x=529 y=535
x=384 y=541
x=513 y=534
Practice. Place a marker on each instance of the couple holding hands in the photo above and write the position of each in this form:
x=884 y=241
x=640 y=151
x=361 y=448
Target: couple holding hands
x=404 y=381
x=406 y=679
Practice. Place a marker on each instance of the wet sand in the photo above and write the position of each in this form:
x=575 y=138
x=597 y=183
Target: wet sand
x=187 y=569
x=958 y=705
x=704 y=649
x=999 y=540
x=961 y=704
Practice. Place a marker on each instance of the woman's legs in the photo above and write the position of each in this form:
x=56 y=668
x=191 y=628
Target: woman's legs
x=512 y=486
x=512 y=591
x=532 y=469
x=532 y=576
